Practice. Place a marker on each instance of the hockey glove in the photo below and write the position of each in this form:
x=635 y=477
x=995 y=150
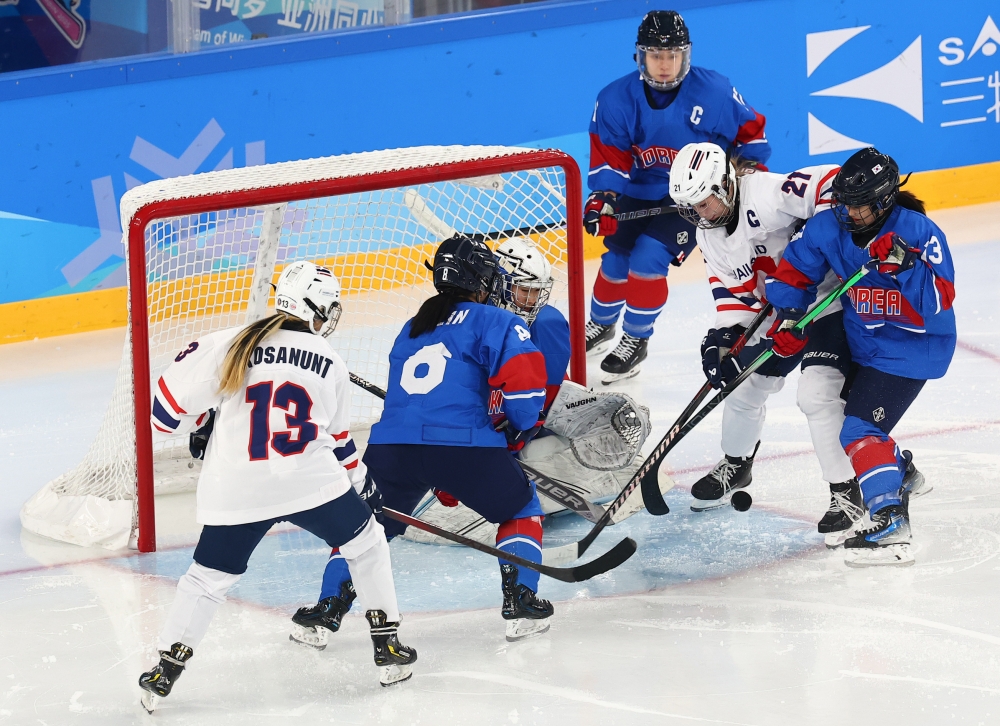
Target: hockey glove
x=517 y=439
x=198 y=440
x=372 y=497
x=720 y=370
x=891 y=255
x=445 y=498
x=787 y=342
x=599 y=214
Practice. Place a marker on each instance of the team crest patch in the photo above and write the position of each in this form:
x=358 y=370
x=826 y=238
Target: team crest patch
x=682 y=238
x=878 y=414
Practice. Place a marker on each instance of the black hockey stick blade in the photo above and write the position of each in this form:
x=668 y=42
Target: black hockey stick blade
x=608 y=561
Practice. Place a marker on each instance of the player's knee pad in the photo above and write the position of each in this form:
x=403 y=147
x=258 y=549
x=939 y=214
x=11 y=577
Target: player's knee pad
x=370 y=536
x=819 y=390
x=202 y=581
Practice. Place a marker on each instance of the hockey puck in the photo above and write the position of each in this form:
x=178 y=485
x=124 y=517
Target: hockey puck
x=741 y=501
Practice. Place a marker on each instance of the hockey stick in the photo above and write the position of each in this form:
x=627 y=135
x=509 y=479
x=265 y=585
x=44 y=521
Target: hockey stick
x=608 y=561
x=557 y=491
x=567 y=553
x=651 y=495
x=641 y=213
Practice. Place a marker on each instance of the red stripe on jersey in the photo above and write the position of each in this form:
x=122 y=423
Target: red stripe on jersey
x=351 y=465
x=527 y=527
x=764 y=264
x=748 y=286
x=158 y=428
x=170 y=399
x=741 y=308
x=752 y=130
x=869 y=452
x=787 y=274
x=601 y=154
x=946 y=290
x=523 y=372
x=822 y=182
x=341 y=435
x=201 y=418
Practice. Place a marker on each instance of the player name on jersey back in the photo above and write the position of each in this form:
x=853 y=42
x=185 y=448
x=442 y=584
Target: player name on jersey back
x=304 y=359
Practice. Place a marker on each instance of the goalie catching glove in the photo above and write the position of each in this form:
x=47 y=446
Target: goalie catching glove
x=599 y=214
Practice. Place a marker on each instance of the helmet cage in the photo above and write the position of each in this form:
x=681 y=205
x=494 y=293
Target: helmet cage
x=728 y=198
x=508 y=298
x=640 y=57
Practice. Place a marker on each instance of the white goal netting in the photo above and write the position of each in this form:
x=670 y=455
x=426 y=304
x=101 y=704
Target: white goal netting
x=209 y=270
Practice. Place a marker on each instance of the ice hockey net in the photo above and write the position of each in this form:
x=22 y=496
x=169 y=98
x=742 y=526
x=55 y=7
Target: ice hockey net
x=203 y=250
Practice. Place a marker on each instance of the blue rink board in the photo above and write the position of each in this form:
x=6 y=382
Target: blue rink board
x=680 y=547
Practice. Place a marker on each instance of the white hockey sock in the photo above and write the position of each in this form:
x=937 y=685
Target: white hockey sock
x=367 y=557
x=743 y=416
x=199 y=593
x=819 y=399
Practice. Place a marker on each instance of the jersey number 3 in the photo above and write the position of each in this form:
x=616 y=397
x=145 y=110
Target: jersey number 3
x=285 y=443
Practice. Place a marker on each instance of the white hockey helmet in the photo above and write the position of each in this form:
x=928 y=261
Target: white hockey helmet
x=527 y=277
x=699 y=172
x=308 y=292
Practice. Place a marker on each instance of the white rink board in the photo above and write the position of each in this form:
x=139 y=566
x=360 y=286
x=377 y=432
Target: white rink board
x=720 y=618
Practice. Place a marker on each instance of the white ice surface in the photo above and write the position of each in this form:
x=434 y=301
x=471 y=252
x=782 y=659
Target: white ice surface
x=720 y=618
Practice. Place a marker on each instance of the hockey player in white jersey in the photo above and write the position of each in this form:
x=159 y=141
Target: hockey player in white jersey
x=745 y=219
x=280 y=450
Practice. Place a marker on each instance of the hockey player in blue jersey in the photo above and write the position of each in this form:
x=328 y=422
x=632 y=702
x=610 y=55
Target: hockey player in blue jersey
x=640 y=123
x=900 y=328
x=435 y=432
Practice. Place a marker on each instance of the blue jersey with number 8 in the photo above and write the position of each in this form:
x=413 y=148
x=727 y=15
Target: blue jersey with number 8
x=440 y=382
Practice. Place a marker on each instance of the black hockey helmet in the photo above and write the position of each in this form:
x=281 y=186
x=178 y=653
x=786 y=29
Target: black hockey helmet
x=663 y=30
x=869 y=178
x=465 y=264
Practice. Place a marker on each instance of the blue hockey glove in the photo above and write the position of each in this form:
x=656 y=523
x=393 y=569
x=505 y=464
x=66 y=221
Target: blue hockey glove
x=517 y=439
x=198 y=440
x=714 y=346
x=372 y=496
x=599 y=214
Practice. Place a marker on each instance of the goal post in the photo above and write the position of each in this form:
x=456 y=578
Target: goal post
x=203 y=250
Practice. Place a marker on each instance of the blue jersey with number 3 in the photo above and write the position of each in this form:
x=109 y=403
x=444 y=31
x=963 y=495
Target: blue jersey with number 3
x=440 y=382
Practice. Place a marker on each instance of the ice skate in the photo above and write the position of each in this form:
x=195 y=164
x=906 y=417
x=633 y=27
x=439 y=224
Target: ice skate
x=715 y=489
x=313 y=625
x=886 y=542
x=158 y=682
x=526 y=614
x=392 y=657
x=599 y=337
x=914 y=483
x=843 y=518
x=624 y=361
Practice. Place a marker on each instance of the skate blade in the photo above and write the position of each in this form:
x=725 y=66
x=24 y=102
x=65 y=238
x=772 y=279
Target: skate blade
x=148 y=699
x=705 y=505
x=834 y=540
x=610 y=378
x=600 y=348
x=897 y=555
x=523 y=628
x=393 y=674
x=315 y=638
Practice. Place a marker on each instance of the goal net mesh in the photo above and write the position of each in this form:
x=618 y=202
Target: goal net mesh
x=202 y=270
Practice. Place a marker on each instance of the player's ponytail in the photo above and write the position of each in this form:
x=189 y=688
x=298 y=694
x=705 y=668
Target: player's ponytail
x=237 y=360
x=434 y=311
x=909 y=200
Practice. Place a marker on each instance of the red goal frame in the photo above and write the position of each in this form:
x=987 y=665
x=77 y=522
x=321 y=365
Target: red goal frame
x=278 y=194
